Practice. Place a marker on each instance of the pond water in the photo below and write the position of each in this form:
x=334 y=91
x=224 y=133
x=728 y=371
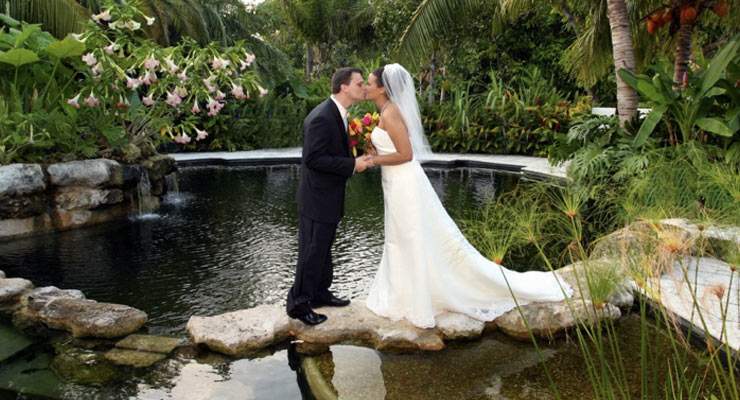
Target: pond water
x=228 y=241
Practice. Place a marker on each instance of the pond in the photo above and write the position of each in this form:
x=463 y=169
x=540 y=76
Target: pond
x=226 y=241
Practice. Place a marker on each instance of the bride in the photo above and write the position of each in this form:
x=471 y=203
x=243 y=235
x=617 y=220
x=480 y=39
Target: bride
x=428 y=267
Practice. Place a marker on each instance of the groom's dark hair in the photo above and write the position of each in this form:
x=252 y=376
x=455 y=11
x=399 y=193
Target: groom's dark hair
x=342 y=76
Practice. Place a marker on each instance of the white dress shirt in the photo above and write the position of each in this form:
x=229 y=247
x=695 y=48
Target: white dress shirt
x=342 y=111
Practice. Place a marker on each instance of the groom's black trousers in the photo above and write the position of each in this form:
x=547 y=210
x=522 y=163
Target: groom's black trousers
x=314 y=272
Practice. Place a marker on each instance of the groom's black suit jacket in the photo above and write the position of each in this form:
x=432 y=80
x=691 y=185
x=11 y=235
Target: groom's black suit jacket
x=325 y=166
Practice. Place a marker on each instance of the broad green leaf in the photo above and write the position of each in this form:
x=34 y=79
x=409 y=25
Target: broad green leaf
x=647 y=89
x=9 y=21
x=27 y=31
x=718 y=65
x=628 y=77
x=715 y=91
x=66 y=48
x=648 y=125
x=715 y=126
x=733 y=116
x=18 y=57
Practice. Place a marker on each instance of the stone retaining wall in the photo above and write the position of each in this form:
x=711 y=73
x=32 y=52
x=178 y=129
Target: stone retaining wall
x=37 y=198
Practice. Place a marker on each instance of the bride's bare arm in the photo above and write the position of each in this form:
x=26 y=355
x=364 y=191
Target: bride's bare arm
x=393 y=124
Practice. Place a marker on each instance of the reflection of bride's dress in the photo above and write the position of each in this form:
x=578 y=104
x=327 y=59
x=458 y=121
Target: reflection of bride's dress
x=428 y=267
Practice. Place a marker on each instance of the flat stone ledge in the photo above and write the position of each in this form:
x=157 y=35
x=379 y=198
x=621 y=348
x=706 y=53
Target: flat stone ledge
x=531 y=167
x=21 y=179
x=89 y=173
x=244 y=332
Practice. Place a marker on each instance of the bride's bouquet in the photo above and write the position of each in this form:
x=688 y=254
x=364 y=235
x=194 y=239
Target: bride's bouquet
x=359 y=132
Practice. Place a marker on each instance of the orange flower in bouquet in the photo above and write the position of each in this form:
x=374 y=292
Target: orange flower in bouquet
x=359 y=132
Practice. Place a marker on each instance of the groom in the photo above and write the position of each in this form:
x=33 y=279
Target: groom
x=325 y=167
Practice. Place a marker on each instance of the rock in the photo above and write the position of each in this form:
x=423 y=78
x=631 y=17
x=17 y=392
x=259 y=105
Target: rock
x=549 y=319
x=13 y=207
x=21 y=179
x=11 y=289
x=241 y=332
x=624 y=296
x=2 y=275
x=90 y=173
x=78 y=197
x=85 y=318
x=150 y=343
x=456 y=326
x=13 y=228
x=69 y=219
x=159 y=166
x=33 y=301
x=82 y=366
x=133 y=358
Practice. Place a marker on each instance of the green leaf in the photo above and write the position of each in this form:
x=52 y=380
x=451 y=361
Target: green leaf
x=715 y=126
x=69 y=47
x=648 y=125
x=9 y=21
x=628 y=77
x=718 y=65
x=647 y=89
x=19 y=57
x=27 y=31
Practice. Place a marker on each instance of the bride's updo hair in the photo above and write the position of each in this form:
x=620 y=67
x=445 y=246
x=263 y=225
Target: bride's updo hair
x=379 y=76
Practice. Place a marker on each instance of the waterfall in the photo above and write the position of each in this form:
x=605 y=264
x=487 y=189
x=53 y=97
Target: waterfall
x=146 y=202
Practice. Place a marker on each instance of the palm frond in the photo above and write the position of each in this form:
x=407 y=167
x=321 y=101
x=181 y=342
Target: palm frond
x=431 y=17
x=59 y=17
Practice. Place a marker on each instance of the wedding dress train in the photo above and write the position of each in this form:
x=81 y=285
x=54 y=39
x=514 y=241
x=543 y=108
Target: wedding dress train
x=428 y=267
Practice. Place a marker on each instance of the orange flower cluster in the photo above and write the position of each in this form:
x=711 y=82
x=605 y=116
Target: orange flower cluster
x=360 y=130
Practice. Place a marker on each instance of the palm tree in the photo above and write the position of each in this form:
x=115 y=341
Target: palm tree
x=321 y=22
x=586 y=53
x=59 y=17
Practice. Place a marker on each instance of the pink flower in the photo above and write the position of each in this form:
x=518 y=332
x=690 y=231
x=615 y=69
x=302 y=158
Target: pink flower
x=263 y=91
x=353 y=143
x=209 y=84
x=367 y=119
x=92 y=101
x=111 y=48
x=248 y=60
x=151 y=63
x=97 y=69
x=132 y=25
x=171 y=66
x=149 y=20
x=182 y=139
x=149 y=78
x=182 y=76
x=90 y=59
x=75 y=101
x=148 y=100
x=214 y=107
x=219 y=63
x=103 y=16
x=195 y=108
x=238 y=92
x=132 y=83
x=220 y=95
x=173 y=99
x=200 y=135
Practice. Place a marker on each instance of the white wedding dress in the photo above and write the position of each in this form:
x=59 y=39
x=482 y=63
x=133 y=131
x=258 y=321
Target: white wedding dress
x=428 y=267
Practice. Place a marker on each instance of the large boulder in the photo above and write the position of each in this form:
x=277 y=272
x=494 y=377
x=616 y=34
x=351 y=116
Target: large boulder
x=550 y=319
x=18 y=227
x=79 y=197
x=21 y=179
x=22 y=206
x=88 y=318
x=11 y=290
x=26 y=317
x=91 y=173
x=159 y=166
x=68 y=219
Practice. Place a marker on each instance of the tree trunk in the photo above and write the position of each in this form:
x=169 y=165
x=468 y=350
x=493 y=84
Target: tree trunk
x=430 y=90
x=309 y=61
x=624 y=57
x=683 y=52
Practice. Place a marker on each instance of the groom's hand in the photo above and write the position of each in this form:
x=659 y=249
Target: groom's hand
x=361 y=164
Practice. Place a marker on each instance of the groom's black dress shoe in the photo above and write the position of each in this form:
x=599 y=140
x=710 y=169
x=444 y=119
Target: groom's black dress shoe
x=330 y=301
x=310 y=318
